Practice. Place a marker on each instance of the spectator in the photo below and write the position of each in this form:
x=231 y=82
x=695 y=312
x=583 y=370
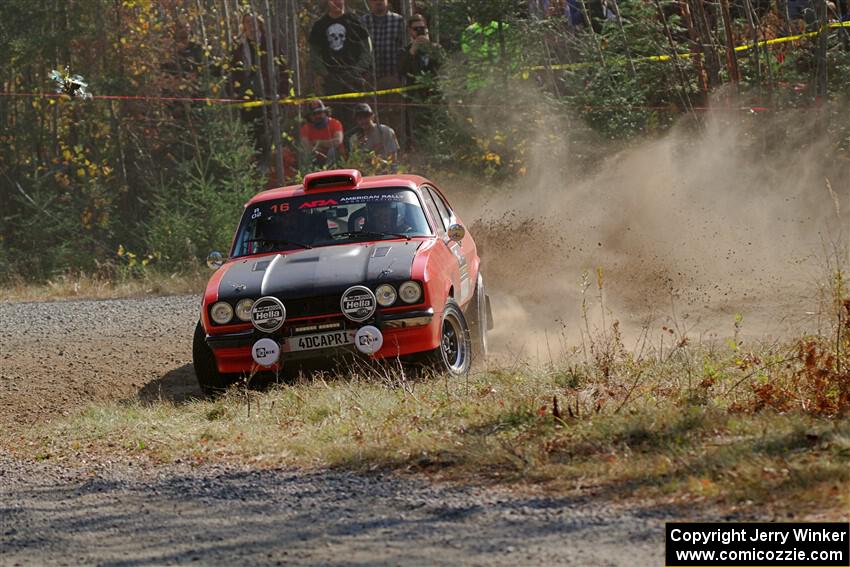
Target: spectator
x=386 y=28
x=420 y=58
x=574 y=11
x=421 y=55
x=321 y=137
x=339 y=53
x=610 y=10
x=374 y=137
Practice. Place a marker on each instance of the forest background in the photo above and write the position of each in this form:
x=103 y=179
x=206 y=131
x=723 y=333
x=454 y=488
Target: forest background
x=138 y=178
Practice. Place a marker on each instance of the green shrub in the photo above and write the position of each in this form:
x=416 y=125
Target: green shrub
x=197 y=210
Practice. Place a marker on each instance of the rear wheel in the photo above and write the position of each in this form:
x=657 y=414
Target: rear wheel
x=479 y=321
x=454 y=355
x=209 y=378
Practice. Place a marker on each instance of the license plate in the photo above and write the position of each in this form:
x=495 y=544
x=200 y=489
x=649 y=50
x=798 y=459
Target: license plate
x=321 y=340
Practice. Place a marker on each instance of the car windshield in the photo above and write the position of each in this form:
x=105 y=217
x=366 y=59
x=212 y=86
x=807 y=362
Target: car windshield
x=325 y=219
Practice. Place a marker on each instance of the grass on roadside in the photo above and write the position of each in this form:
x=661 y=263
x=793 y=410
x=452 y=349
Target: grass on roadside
x=756 y=427
x=93 y=286
x=688 y=428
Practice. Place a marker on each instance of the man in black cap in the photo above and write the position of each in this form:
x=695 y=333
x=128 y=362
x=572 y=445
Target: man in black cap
x=373 y=137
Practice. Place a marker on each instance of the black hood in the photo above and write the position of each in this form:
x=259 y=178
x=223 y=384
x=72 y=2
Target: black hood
x=318 y=271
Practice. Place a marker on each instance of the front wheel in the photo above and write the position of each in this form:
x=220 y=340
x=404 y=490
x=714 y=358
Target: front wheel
x=210 y=380
x=454 y=355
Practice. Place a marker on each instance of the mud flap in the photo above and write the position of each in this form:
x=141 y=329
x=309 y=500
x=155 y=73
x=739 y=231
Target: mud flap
x=490 y=323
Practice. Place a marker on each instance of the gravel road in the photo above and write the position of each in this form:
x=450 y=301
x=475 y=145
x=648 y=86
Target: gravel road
x=57 y=357
x=237 y=516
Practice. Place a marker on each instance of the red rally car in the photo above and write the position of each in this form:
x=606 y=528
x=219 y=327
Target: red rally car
x=343 y=264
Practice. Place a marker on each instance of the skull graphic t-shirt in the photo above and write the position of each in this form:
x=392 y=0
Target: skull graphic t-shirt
x=340 y=44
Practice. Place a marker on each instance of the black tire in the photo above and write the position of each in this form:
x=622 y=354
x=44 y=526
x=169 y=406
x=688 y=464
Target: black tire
x=454 y=355
x=210 y=380
x=479 y=321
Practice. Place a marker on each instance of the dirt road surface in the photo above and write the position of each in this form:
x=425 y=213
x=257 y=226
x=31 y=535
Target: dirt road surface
x=56 y=358
x=237 y=516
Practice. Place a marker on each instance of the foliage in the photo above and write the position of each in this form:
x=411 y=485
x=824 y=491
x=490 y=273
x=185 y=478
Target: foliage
x=195 y=211
x=622 y=93
x=79 y=178
x=625 y=427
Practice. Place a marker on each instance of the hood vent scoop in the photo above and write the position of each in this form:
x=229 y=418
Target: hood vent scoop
x=381 y=252
x=301 y=259
x=261 y=266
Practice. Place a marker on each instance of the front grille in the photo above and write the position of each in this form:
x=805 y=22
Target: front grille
x=312 y=306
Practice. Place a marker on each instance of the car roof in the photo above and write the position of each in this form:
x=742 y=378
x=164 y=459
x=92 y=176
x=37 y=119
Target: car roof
x=371 y=182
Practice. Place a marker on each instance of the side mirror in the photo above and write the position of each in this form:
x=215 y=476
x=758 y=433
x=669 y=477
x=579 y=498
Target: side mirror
x=215 y=260
x=456 y=233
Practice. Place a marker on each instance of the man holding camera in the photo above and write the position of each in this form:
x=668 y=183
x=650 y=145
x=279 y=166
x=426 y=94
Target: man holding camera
x=419 y=60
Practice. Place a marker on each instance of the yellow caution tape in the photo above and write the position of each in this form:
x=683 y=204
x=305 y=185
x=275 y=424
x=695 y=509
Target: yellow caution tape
x=778 y=40
x=525 y=73
x=341 y=96
x=775 y=41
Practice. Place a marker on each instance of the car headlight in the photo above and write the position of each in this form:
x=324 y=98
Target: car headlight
x=386 y=295
x=243 y=309
x=221 y=313
x=410 y=292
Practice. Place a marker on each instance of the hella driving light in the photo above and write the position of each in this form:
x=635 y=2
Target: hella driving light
x=243 y=310
x=410 y=292
x=221 y=313
x=386 y=295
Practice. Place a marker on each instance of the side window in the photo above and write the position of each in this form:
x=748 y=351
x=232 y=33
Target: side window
x=441 y=206
x=433 y=211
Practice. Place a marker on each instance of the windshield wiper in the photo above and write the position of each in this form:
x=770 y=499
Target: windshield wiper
x=279 y=242
x=370 y=234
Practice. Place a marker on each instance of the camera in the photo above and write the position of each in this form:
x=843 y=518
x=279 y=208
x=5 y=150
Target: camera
x=421 y=32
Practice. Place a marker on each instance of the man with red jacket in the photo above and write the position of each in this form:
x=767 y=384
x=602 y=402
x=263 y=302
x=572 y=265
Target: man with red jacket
x=321 y=136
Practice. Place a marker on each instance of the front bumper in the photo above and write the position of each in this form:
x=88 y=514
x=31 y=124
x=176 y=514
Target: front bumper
x=405 y=333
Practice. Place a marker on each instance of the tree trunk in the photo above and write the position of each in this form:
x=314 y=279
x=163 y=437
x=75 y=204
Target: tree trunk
x=685 y=11
x=276 y=147
x=257 y=62
x=782 y=10
x=820 y=57
x=731 y=56
x=684 y=95
x=706 y=43
x=754 y=26
x=229 y=39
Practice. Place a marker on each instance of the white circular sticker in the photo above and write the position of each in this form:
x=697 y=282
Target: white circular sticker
x=368 y=339
x=358 y=303
x=268 y=314
x=265 y=352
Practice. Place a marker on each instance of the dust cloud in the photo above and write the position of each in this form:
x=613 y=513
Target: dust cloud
x=731 y=215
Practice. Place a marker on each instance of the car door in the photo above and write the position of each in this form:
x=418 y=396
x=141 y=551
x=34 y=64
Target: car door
x=461 y=251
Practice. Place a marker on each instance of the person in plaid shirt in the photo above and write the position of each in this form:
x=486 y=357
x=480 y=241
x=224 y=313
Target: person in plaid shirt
x=386 y=28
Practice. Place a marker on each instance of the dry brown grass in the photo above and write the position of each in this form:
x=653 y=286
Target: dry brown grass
x=681 y=429
x=762 y=428
x=88 y=286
